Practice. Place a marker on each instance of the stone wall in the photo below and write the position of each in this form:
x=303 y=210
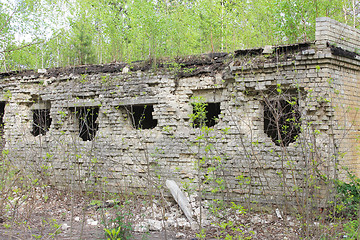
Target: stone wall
x=94 y=135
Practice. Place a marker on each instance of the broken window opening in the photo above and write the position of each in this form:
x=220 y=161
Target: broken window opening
x=2 y=112
x=282 y=121
x=206 y=114
x=141 y=116
x=41 y=121
x=88 y=126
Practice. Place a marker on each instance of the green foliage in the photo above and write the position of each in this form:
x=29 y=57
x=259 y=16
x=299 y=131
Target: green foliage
x=106 y=31
x=54 y=226
x=24 y=27
x=121 y=226
x=82 y=44
x=228 y=229
x=113 y=234
x=201 y=234
x=349 y=195
x=14 y=185
x=198 y=116
x=352 y=229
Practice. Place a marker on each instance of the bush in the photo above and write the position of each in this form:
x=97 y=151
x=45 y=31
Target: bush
x=351 y=228
x=349 y=195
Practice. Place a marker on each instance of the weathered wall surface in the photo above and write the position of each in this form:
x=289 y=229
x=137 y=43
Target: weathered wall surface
x=343 y=43
x=305 y=81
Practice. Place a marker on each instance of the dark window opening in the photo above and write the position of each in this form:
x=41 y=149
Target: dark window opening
x=2 y=112
x=205 y=114
x=141 y=116
x=41 y=121
x=88 y=126
x=282 y=121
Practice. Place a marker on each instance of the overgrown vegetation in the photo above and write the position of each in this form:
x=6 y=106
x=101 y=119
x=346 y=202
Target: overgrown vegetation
x=347 y=208
x=349 y=195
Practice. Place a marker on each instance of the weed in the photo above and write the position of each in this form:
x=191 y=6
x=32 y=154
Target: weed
x=83 y=78
x=113 y=234
x=121 y=224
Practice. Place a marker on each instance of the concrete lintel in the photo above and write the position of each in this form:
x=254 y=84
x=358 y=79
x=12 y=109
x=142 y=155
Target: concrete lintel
x=84 y=103
x=135 y=101
x=40 y=105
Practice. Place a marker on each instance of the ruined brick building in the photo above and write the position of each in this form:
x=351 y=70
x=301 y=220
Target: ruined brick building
x=276 y=116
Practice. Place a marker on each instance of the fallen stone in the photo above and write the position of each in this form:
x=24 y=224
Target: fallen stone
x=269 y=218
x=155 y=225
x=183 y=223
x=91 y=222
x=193 y=198
x=180 y=235
x=255 y=219
x=195 y=227
x=171 y=223
x=64 y=227
x=268 y=49
x=180 y=198
x=278 y=214
x=109 y=203
x=125 y=70
x=141 y=227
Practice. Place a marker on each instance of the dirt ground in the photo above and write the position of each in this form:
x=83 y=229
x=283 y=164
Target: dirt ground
x=58 y=215
x=62 y=216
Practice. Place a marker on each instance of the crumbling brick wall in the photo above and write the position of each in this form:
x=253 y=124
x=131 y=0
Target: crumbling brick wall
x=93 y=135
x=341 y=42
